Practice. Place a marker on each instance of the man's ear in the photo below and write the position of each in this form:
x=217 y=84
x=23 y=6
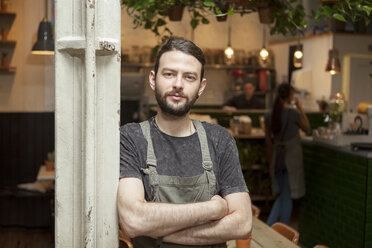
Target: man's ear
x=152 y=79
x=202 y=86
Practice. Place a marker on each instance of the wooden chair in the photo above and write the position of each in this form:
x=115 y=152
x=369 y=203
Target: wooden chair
x=124 y=240
x=246 y=243
x=287 y=231
x=255 y=211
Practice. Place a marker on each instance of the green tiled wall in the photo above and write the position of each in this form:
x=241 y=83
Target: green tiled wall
x=337 y=208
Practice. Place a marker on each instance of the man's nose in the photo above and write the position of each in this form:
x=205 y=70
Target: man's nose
x=178 y=82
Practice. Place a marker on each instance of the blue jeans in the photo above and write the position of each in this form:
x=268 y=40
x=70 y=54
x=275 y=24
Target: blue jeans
x=282 y=208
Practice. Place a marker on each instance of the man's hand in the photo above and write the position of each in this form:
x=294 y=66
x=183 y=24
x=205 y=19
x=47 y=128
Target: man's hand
x=222 y=204
x=237 y=224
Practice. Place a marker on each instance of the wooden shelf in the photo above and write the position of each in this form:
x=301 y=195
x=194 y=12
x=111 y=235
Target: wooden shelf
x=7 y=69
x=7 y=42
x=10 y=14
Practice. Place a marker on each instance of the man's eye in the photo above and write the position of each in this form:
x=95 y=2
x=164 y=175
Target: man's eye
x=167 y=74
x=190 y=78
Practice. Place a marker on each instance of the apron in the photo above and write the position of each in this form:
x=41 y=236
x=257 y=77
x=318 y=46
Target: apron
x=175 y=189
x=294 y=166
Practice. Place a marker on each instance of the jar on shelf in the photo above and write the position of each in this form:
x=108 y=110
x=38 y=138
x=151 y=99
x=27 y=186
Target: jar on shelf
x=3 y=6
x=4 y=60
x=4 y=34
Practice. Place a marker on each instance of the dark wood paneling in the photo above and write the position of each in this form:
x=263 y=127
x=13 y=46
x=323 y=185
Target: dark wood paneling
x=25 y=140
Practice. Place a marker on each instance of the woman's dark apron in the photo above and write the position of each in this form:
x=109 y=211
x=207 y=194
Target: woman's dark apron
x=294 y=166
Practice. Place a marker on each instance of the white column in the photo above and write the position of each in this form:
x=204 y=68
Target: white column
x=87 y=115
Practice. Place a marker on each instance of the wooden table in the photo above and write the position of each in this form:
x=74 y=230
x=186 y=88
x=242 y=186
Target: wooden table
x=44 y=175
x=264 y=236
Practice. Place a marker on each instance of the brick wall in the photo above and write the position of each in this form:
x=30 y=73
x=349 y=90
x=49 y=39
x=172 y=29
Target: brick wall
x=337 y=208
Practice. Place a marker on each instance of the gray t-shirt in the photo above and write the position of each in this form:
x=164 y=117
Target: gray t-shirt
x=181 y=156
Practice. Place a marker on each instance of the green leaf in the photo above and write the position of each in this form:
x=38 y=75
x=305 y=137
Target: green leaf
x=339 y=17
x=230 y=11
x=303 y=24
x=218 y=11
x=148 y=25
x=327 y=10
x=160 y=22
x=194 y=23
x=209 y=3
x=367 y=9
x=205 y=20
x=317 y=15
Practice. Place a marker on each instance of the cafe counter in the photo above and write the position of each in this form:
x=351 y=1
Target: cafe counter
x=337 y=208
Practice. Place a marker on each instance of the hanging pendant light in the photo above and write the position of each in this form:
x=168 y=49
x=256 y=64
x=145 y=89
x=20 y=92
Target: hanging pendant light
x=229 y=51
x=333 y=64
x=297 y=56
x=45 y=42
x=264 y=53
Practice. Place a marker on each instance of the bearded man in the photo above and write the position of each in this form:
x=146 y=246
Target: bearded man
x=181 y=183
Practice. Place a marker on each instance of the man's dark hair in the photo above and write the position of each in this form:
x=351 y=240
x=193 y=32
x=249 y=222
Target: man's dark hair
x=180 y=44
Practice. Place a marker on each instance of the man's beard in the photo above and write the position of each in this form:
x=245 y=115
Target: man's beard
x=181 y=110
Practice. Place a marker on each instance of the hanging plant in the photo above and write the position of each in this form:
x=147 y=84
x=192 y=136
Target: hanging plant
x=345 y=10
x=287 y=16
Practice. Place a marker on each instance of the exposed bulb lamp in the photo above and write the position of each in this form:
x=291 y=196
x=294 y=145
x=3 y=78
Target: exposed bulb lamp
x=229 y=51
x=297 y=56
x=264 y=53
x=45 y=42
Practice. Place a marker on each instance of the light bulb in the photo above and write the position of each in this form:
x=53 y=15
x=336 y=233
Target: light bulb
x=332 y=72
x=229 y=52
x=298 y=54
x=264 y=54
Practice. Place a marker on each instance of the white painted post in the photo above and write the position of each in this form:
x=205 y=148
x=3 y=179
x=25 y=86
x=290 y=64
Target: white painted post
x=87 y=115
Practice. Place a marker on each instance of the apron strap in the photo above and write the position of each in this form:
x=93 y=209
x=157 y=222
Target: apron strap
x=207 y=161
x=150 y=160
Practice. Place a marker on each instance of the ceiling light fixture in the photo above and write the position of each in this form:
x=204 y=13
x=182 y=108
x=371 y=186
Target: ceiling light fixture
x=264 y=53
x=297 y=56
x=45 y=42
x=333 y=64
x=229 y=51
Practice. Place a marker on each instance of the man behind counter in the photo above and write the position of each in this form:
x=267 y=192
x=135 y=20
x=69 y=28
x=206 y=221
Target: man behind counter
x=246 y=100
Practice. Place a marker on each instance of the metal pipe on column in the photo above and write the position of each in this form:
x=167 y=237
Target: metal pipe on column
x=89 y=161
